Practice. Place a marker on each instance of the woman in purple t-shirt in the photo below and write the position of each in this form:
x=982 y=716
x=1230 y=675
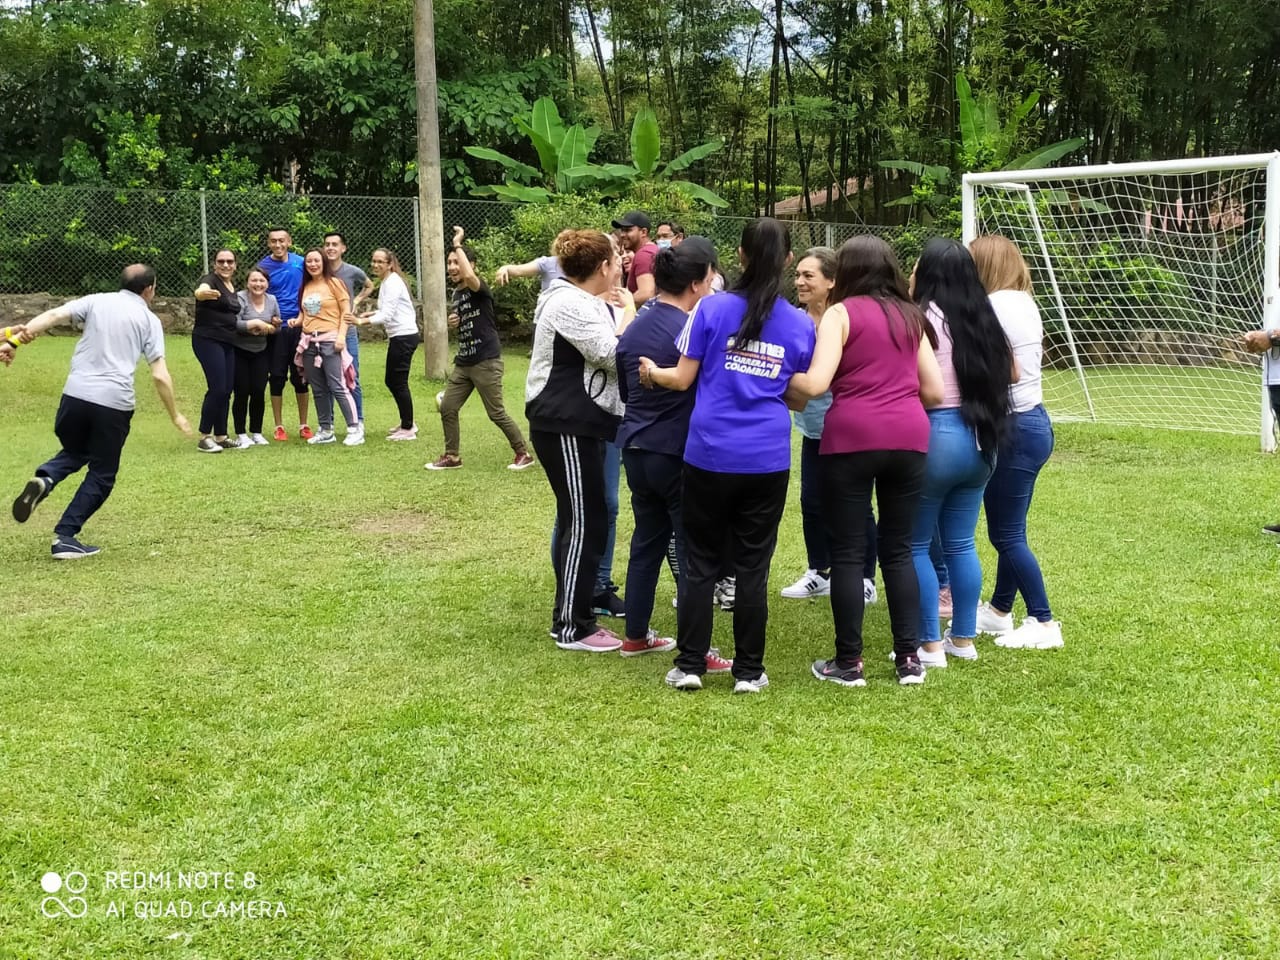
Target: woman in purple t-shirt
x=876 y=351
x=741 y=348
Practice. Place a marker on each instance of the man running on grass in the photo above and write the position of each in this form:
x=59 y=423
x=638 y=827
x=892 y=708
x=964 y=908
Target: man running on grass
x=98 y=400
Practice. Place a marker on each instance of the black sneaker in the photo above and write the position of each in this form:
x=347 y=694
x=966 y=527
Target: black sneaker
x=37 y=489
x=609 y=604
x=69 y=548
x=845 y=676
x=1273 y=529
x=910 y=671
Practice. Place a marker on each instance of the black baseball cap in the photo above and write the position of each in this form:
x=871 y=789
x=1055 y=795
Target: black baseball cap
x=632 y=218
x=699 y=248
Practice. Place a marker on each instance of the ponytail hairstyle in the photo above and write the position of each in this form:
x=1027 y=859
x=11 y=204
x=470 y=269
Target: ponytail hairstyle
x=676 y=268
x=766 y=244
x=947 y=277
x=866 y=266
x=393 y=262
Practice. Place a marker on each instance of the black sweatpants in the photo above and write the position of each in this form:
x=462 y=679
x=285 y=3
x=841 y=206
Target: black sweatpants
x=575 y=469
x=91 y=435
x=656 y=481
x=735 y=514
x=847 y=482
x=400 y=352
x=250 y=389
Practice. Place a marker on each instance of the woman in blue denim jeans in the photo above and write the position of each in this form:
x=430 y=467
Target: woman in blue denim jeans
x=1025 y=449
x=965 y=432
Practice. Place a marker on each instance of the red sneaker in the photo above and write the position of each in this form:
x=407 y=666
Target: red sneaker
x=717 y=663
x=305 y=432
x=280 y=434
x=652 y=643
x=521 y=461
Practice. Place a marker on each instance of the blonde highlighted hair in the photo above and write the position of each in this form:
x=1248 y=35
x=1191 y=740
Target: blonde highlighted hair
x=1000 y=264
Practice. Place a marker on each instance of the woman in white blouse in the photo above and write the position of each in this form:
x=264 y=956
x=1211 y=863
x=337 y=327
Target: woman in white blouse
x=395 y=311
x=1024 y=450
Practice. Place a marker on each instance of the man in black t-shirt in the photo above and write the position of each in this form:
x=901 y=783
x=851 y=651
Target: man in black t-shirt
x=478 y=363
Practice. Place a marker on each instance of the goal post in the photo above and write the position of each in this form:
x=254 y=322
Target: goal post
x=1147 y=275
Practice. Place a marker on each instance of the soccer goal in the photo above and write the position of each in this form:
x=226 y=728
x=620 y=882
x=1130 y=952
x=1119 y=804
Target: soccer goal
x=1147 y=275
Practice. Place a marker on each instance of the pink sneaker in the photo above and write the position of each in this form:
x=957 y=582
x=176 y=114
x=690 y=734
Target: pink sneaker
x=399 y=434
x=717 y=663
x=602 y=641
x=944 y=603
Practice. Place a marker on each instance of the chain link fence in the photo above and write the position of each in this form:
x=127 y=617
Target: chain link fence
x=69 y=241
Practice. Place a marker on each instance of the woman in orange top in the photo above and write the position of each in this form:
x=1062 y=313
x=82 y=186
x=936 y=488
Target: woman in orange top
x=326 y=312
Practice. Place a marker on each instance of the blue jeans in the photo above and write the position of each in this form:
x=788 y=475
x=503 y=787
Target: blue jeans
x=612 y=476
x=1008 y=499
x=955 y=475
x=353 y=347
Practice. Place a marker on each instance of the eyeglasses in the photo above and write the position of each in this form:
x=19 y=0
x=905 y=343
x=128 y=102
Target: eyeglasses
x=230 y=263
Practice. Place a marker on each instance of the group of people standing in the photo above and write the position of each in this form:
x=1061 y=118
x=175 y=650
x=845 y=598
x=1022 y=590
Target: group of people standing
x=294 y=322
x=925 y=392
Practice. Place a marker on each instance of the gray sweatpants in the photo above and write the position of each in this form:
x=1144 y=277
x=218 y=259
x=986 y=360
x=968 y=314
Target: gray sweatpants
x=327 y=383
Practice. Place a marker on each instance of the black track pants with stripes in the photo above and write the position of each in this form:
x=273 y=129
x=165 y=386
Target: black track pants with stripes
x=575 y=468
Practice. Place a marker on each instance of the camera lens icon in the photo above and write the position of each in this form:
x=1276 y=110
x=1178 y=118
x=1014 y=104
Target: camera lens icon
x=73 y=906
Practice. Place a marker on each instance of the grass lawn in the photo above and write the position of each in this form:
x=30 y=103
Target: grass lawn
x=330 y=668
x=1225 y=399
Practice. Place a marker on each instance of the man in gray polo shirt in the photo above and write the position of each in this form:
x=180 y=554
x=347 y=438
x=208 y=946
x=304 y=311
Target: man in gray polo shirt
x=353 y=278
x=97 y=402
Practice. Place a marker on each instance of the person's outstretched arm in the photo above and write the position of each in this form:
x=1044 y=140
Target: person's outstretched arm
x=164 y=388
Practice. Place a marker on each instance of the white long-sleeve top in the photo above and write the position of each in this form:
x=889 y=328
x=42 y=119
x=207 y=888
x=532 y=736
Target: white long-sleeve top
x=395 y=308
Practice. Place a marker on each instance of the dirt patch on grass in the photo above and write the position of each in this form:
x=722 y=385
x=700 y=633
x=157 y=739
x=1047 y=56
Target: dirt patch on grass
x=393 y=522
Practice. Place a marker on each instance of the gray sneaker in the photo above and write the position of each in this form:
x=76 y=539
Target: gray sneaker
x=752 y=686
x=209 y=445
x=683 y=681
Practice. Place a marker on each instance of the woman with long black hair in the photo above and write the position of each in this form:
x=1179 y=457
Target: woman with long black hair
x=741 y=348
x=965 y=431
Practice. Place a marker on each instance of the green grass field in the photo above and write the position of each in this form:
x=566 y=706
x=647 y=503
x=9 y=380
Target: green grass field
x=330 y=668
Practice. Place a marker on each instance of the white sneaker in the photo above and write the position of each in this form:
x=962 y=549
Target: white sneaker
x=752 y=686
x=323 y=436
x=869 y=594
x=354 y=437
x=1033 y=635
x=258 y=439
x=243 y=442
x=991 y=622
x=683 y=681
x=812 y=584
x=969 y=652
x=932 y=661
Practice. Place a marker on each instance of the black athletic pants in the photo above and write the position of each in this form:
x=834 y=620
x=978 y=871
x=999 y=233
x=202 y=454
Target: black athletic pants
x=575 y=469
x=734 y=514
x=655 y=481
x=281 y=348
x=400 y=352
x=847 y=481
x=251 y=388
x=91 y=435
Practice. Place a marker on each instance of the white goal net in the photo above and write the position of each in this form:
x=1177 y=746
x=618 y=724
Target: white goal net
x=1147 y=276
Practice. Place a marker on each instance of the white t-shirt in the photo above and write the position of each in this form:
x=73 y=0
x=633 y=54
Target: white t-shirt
x=1020 y=318
x=1271 y=364
x=119 y=329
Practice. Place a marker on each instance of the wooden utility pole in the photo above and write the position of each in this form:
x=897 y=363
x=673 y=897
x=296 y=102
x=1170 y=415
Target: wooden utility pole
x=435 y=333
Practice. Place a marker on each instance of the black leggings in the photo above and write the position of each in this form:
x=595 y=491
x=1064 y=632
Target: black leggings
x=400 y=352
x=847 y=480
x=218 y=360
x=250 y=389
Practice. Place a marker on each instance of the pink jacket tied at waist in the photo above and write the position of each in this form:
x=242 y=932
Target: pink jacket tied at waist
x=348 y=365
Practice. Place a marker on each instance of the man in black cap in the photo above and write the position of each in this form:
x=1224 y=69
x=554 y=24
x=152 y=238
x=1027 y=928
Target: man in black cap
x=633 y=233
